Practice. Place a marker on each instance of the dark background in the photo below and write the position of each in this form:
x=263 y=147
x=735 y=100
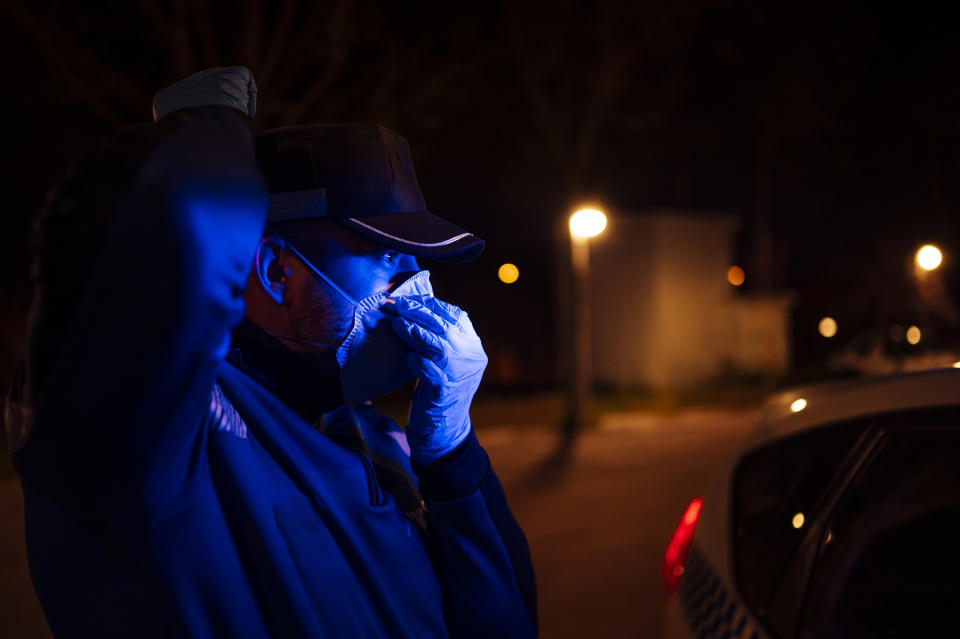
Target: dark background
x=829 y=129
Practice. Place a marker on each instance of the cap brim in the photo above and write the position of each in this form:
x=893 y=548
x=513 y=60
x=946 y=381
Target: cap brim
x=418 y=233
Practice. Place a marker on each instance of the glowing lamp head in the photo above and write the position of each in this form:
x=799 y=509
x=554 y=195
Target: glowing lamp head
x=929 y=257
x=798 y=405
x=914 y=335
x=736 y=276
x=508 y=273
x=828 y=327
x=587 y=223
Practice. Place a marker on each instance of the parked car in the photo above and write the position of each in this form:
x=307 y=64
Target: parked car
x=884 y=351
x=839 y=517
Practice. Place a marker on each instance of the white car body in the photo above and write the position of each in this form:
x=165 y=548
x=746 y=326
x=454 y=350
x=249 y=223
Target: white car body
x=707 y=602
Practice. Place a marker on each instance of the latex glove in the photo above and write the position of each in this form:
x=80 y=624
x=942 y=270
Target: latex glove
x=228 y=86
x=449 y=361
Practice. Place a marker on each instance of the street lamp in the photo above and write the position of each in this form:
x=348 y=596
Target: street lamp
x=929 y=257
x=828 y=327
x=508 y=273
x=585 y=223
x=930 y=286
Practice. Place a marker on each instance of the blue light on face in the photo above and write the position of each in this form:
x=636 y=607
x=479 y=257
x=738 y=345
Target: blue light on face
x=358 y=276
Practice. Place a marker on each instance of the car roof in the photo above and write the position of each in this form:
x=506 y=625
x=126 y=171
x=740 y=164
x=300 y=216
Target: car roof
x=784 y=413
x=824 y=403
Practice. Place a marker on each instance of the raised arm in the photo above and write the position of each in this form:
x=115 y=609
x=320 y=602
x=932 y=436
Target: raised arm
x=122 y=383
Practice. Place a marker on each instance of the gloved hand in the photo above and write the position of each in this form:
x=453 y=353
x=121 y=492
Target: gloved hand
x=449 y=361
x=228 y=86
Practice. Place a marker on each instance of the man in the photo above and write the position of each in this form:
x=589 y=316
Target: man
x=175 y=483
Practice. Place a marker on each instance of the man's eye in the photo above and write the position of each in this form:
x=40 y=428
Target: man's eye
x=389 y=257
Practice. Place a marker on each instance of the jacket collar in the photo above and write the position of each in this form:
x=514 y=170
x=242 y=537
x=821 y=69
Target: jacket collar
x=309 y=383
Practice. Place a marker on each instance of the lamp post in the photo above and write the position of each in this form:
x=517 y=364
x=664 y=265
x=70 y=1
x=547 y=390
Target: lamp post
x=927 y=262
x=585 y=223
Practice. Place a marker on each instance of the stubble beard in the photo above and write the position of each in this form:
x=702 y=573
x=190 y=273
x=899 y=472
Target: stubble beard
x=321 y=317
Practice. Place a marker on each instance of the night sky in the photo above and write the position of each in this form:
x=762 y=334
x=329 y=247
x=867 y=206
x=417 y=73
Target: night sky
x=833 y=125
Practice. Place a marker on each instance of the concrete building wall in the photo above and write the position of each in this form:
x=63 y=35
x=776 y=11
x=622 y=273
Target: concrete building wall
x=664 y=315
x=692 y=256
x=761 y=328
x=621 y=285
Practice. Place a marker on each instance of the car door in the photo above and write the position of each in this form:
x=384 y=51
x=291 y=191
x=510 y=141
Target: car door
x=886 y=561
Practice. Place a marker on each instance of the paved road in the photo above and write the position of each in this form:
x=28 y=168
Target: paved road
x=597 y=526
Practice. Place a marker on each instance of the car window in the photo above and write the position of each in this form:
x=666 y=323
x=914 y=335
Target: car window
x=888 y=562
x=775 y=490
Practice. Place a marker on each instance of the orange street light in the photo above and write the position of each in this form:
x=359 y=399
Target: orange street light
x=736 y=276
x=508 y=273
x=586 y=223
x=828 y=327
x=929 y=257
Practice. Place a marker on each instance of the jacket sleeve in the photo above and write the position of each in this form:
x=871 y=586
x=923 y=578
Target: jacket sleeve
x=133 y=373
x=481 y=553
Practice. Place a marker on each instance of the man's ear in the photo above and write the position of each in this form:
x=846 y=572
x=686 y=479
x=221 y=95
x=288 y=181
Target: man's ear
x=271 y=272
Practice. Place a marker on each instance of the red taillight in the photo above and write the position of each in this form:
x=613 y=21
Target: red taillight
x=676 y=554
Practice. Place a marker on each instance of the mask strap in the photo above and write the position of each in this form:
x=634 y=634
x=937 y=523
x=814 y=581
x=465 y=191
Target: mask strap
x=322 y=275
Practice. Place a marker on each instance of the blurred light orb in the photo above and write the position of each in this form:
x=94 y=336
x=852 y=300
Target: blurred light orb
x=956 y=364
x=587 y=223
x=929 y=257
x=798 y=405
x=735 y=275
x=828 y=327
x=798 y=520
x=914 y=335
x=508 y=273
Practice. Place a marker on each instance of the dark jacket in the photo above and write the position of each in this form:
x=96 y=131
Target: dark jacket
x=171 y=493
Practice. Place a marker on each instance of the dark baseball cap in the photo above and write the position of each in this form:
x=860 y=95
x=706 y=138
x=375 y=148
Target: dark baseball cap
x=362 y=176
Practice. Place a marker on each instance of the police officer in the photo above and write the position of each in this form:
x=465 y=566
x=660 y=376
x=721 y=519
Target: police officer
x=189 y=472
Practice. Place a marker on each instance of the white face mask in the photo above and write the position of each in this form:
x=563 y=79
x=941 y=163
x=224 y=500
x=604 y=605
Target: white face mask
x=372 y=357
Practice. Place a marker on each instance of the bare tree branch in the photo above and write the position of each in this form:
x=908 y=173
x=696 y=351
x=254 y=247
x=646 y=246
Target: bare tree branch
x=163 y=25
x=305 y=46
x=252 y=43
x=185 y=59
x=391 y=81
x=88 y=79
x=607 y=84
x=336 y=49
x=572 y=85
x=602 y=96
x=157 y=16
x=543 y=117
x=279 y=39
x=206 y=36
